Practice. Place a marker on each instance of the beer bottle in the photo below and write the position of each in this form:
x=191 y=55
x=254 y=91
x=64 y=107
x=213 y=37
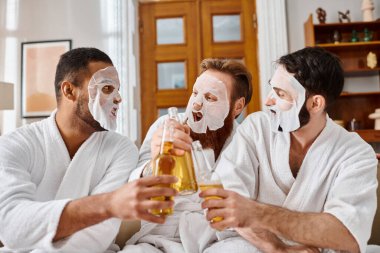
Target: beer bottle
x=164 y=164
x=184 y=168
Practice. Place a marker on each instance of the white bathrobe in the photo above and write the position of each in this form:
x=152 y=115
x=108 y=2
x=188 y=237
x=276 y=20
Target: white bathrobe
x=337 y=176
x=38 y=179
x=187 y=230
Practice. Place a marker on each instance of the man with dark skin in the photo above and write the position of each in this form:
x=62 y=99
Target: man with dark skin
x=68 y=191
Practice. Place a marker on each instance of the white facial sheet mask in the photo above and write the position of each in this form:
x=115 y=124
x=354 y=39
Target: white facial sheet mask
x=100 y=104
x=213 y=112
x=286 y=112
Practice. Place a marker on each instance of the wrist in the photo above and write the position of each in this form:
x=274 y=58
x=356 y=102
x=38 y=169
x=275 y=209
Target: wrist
x=108 y=209
x=265 y=216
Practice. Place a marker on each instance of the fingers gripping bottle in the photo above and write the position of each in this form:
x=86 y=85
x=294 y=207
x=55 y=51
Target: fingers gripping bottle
x=184 y=168
x=164 y=164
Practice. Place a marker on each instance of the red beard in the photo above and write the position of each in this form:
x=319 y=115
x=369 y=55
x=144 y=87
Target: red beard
x=215 y=139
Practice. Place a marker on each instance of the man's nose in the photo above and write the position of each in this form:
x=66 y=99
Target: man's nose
x=117 y=99
x=270 y=101
x=197 y=106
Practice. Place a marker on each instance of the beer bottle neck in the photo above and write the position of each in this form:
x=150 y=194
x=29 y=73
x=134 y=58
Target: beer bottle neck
x=167 y=138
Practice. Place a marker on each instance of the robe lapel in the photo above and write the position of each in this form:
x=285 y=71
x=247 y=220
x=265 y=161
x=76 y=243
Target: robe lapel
x=77 y=179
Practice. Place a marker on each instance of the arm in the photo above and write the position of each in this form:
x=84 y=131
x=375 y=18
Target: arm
x=87 y=221
x=130 y=202
x=268 y=242
x=246 y=217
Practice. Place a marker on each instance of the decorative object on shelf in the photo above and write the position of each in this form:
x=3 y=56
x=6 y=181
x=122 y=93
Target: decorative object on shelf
x=353 y=125
x=354 y=36
x=376 y=117
x=367 y=9
x=371 y=60
x=38 y=62
x=344 y=17
x=321 y=15
x=368 y=35
x=337 y=37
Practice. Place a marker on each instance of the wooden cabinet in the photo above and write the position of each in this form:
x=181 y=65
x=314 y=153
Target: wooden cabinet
x=351 y=105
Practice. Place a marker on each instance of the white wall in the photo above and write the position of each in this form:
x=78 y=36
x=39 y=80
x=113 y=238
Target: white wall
x=299 y=10
x=88 y=23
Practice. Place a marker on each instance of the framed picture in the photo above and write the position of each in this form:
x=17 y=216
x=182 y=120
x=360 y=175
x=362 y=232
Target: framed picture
x=39 y=60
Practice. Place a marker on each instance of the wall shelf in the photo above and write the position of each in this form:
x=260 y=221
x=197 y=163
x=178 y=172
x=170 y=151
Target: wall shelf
x=349 y=94
x=369 y=135
x=353 y=55
x=349 y=44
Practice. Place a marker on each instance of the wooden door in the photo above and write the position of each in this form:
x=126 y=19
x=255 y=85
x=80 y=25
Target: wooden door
x=229 y=31
x=175 y=35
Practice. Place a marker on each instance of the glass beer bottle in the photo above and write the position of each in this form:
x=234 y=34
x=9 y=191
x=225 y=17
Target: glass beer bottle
x=205 y=176
x=164 y=164
x=184 y=168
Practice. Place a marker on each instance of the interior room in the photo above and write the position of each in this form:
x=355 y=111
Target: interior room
x=157 y=46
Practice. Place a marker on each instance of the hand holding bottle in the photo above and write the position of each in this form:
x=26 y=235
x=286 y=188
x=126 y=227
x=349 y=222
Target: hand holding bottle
x=181 y=139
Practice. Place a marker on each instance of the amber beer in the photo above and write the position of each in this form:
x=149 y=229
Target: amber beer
x=205 y=174
x=209 y=185
x=164 y=164
x=184 y=167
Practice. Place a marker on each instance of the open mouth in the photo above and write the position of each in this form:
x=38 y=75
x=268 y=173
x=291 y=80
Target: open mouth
x=197 y=116
x=272 y=111
x=114 y=112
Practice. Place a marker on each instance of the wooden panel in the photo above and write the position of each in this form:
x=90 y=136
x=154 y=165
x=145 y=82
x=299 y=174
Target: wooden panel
x=370 y=135
x=251 y=52
x=246 y=49
x=151 y=54
x=359 y=107
x=309 y=32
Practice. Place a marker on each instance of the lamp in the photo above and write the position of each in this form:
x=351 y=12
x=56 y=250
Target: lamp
x=6 y=96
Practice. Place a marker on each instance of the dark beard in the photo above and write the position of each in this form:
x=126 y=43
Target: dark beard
x=304 y=116
x=85 y=116
x=215 y=139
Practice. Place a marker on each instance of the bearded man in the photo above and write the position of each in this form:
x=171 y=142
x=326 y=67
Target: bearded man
x=220 y=94
x=294 y=180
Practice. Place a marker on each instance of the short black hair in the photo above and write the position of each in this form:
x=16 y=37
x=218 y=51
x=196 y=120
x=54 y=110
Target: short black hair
x=319 y=71
x=72 y=66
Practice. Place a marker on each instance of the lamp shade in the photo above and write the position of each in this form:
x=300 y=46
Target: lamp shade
x=6 y=96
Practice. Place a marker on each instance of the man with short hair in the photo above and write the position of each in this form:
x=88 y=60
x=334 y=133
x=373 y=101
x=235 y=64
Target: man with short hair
x=297 y=182
x=220 y=94
x=62 y=178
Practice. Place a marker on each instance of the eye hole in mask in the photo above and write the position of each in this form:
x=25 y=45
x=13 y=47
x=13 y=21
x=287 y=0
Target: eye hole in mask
x=282 y=104
x=108 y=89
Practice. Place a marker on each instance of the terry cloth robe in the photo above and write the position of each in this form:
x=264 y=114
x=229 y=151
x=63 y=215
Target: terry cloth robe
x=187 y=229
x=337 y=176
x=38 y=179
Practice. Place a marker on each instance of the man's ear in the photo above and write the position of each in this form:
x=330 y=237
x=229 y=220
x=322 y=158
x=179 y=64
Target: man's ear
x=239 y=106
x=69 y=90
x=318 y=103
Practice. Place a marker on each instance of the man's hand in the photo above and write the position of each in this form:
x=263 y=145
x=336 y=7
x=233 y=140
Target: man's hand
x=181 y=139
x=129 y=202
x=319 y=230
x=236 y=210
x=133 y=200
